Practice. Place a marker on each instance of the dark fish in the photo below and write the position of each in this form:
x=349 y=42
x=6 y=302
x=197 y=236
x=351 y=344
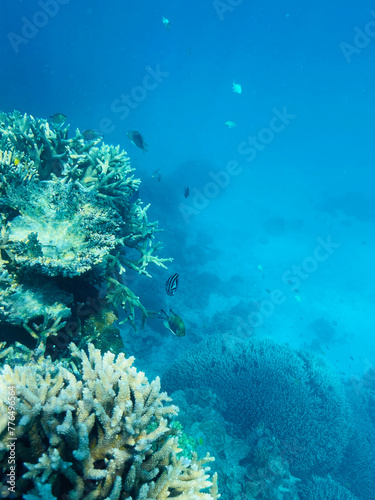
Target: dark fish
x=136 y=138
x=171 y=284
x=186 y=191
x=91 y=135
x=174 y=323
x=58 y=118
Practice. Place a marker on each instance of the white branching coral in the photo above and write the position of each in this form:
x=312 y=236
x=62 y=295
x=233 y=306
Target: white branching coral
x=96 y=430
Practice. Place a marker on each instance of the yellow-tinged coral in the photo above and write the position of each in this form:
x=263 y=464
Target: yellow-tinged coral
x=97 y=430
x=70 y=220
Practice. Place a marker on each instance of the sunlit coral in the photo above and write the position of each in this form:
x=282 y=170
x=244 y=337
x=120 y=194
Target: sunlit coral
x=69 y=212
x=97 y=430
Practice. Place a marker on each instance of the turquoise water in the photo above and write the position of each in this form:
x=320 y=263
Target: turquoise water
x=276 y=238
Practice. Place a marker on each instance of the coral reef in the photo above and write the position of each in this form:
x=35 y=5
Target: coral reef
x=249 y=468
x=324 y=488
x=98 y=430
x=70 y=219
x=292 y=395
x=357 y=471
x=268 y=473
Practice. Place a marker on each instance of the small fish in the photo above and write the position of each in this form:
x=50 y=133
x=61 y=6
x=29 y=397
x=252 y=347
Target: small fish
x=16 y=161
x=167 y=23
x=171 y=284
x=230 y=124
x=186 y=191
x=156 y=175
x=91 y=135
x=174 y=323
x=236 y=87
x=136 y=138
x=58 y=118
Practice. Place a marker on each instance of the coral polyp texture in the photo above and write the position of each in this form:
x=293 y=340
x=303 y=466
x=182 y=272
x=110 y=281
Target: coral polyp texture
x=292 y=394
x=70 y=218
x=325 y=488
x=98 y=430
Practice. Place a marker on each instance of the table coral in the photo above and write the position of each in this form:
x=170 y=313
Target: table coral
x=96 y=430
x=70 y=217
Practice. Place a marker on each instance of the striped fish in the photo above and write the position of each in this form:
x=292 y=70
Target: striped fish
x=171 y=284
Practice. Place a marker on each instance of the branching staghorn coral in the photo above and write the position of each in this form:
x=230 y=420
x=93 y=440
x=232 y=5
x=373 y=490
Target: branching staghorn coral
x=69 y=218
x=292 y=394
x=357 y=471
x=325 y=488
x=96 y=430
x=120 y=295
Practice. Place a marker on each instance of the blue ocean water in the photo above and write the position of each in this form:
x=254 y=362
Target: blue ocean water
x=276 y=238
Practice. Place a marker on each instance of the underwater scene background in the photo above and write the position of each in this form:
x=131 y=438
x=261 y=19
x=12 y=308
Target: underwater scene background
x=230 y=250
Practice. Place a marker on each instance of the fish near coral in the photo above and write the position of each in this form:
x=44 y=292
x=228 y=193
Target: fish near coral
x=136 y=139
x=171 y=284
x=92 y=135
x=58 y=118
x=174 y=323
x=157 y=175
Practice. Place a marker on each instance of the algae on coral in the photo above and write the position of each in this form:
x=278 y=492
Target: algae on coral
x=69 y=219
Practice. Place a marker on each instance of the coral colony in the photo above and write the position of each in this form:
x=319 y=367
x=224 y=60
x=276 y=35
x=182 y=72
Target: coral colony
x=69 y=220
x=99 y=430
x=76 y=424
x=79 y=421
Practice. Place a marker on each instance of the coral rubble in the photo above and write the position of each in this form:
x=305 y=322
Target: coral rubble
x=96 y=429
x=70 y=219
